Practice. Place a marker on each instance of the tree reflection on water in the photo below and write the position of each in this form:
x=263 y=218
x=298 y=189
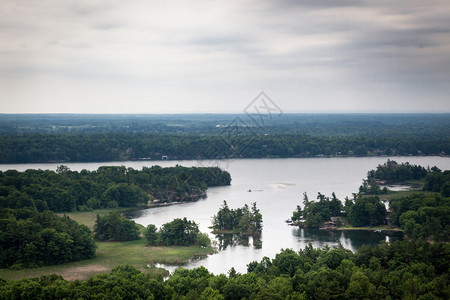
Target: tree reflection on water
x=225 y=240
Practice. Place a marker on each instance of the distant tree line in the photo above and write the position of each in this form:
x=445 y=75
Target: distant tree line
x=240 y=220
x=401 y=270
x=428 y=125
x=29 y=239
x=33 y=148
x=107 y=187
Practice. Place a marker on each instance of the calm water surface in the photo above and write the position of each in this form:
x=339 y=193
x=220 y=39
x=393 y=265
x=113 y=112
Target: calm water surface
x=277 y=186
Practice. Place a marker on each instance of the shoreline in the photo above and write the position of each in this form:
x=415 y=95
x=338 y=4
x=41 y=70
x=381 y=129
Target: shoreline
x=234 y=232
x=220 y=159
x=373 y=229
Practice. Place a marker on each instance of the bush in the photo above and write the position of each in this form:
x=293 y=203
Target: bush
x=203 y=240
x=151 y=235
x=114 y=227
x=179 y=232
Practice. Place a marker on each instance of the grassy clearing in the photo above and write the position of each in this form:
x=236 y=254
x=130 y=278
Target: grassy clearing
x=415 y=182
x=111 y=254
x=400 y=194
x=88 y=217
x=367 y=228
x=374 y=228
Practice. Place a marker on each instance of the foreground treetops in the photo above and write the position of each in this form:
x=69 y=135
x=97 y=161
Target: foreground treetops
x=401 y=270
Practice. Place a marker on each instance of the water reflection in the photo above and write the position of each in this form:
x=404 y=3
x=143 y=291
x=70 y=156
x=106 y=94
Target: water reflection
x=350 y=239
x=231 y=239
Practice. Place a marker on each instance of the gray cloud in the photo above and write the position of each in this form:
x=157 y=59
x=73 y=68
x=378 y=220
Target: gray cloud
x=213 y=56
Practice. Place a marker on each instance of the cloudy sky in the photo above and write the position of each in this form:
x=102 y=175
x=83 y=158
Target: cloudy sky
x=108 y=56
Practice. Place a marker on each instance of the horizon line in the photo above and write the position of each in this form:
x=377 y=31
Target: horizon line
x=226 y=113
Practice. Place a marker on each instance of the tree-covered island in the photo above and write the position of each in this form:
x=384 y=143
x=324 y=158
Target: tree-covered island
x=107 y=187
x=392 y=173
x=420 y=214
x=244 y=220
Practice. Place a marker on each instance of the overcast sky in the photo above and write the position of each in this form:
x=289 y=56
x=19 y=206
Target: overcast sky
x=107 y=56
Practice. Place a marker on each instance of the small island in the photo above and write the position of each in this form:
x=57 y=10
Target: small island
x=243 y=220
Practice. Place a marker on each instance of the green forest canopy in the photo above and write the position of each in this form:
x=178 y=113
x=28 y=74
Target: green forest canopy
x=401 y=270
x=29 y=238
x=108 y=186
x=360 y=211
x=82 y=138
x=114 y=227
x=420 y=215
x=392 y=172
x=240 y=220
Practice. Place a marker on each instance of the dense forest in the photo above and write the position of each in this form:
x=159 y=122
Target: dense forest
x=425 y=216
x=29 y=238
x=78 y=138
x=422 y=216
x=438 y=182
x=66 y=190
x=401 y=270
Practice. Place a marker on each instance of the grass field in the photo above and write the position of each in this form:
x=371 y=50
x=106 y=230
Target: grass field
x=374 y=228
x=415 y=184
x=112 y=254
x=400 y=194
x=88 y=217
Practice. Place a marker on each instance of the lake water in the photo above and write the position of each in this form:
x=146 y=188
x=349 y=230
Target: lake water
x=276 y=186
